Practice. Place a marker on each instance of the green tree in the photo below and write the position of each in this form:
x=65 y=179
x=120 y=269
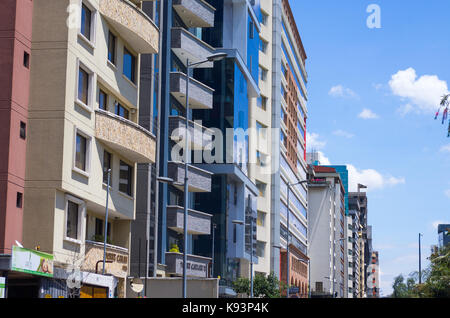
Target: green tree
x=438 y=281
x=399 y=287
x=263 y=287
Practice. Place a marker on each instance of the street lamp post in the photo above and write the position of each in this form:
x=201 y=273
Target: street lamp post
x=212 y=58
x=106 y=221
x=420 y=260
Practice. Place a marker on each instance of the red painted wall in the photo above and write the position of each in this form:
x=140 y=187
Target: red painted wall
x=15 y=39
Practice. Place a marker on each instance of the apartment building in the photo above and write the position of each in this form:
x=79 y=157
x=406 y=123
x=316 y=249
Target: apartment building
x=356 y=249
x=288 y=156
x=327 y=238
x=15 y=57
x=373 y=276
x=83 y=122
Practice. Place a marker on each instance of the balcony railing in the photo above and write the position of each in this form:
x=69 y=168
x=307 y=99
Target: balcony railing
x=200 y=95
x=199 y=179
x=185 y=45
x=197 y=266
x=125 y=137
x=116 y=257
x=198 y=223
x=132 y=24
x=195 y=13
x=200 y=137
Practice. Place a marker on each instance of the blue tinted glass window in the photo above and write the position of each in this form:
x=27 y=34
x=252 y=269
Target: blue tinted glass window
x=129 y=65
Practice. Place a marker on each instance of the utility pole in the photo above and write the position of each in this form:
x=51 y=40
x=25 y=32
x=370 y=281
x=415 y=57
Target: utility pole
x=420 y=261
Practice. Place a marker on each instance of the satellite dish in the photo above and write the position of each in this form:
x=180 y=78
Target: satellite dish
x=137 y=285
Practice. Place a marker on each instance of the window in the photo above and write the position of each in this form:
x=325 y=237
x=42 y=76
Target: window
x=319 y=287
x=262 y=74
x=81 y=160
x=83 y=86
x=264 y=18
x=260 y=249
x=263 y=46
x=102 y=100
x=262 y=188
x=262 y=102
x=129 y=65
x=112 y=48
x=260 y=159
x=122 y=111
x=26 y=59
x=73 y=219
x=86 y=22
x=23 y=130
x=100 y=228
x=81 y=152
x=261 y=219
x=126 y=176
x=107 y=164
x=251 y=30
x=19 y=200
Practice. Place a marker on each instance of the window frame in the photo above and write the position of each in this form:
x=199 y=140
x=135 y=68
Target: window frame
x=111 y=167
x=131 y=194
x=112 y=63
x=91 y=89
x=78 y=131
x=93 y=34
x=81 y=216
x=102 y=91
x=134 y=69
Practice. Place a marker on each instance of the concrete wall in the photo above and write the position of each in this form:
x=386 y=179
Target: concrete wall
x=15 y=40
x=172 y=288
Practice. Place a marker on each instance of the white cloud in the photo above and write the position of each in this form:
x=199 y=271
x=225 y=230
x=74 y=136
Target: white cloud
x=377 y=86
x=445 y=148
x=342 y=133
x=368 y=114
x=341 y=91
x=422 y=94
x=370 y=178
x=323 y=160
x=313 y=141
x=447 y=193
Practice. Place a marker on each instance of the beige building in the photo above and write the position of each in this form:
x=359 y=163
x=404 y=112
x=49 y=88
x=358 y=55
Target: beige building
x=84 y=108
x=260 y=121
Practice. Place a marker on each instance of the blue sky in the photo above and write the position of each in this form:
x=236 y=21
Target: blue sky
x=372 y=98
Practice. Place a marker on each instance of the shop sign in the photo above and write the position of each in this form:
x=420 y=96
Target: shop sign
x=2 y=287
x=32 y=262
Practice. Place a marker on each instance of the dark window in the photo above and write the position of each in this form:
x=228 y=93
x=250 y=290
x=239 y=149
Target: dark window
x=107 y=163
x=72 y=220
x=319 y=287
x=23 y=130
x=86 y=18
x=126 y=178
x=98 y=227
x=81 y=149
x=251 y=30
x=102 y=100
x=26 y=59
x=19 y=200
x=129 y=65
x=83 y=86
x=112 y=48
x=122 y=111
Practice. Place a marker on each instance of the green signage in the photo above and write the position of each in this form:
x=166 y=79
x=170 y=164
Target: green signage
x=32 y=262
x=2 y=287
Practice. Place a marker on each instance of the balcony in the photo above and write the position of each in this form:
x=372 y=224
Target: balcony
x=195 y=13
x=199 y=179
x=132 y=24
x=197 y=266
x=116 y=255
x=200 y=95
x=198 y=223
x=200 y=137
x=185 y=45
x=125 y=137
